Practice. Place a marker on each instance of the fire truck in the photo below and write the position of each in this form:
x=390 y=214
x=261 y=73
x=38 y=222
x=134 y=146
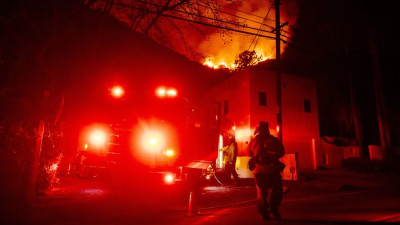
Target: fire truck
x=161 y=135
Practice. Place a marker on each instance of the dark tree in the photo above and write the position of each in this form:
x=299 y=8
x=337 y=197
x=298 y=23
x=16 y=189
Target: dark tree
x=247 y=58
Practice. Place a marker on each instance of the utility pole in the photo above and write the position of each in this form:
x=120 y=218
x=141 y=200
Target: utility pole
x=278 y=68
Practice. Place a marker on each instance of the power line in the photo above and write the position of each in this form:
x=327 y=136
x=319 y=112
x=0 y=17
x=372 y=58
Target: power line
x=256 y=37
x=298 y=45
x=244 y=12
x=218 y=20
x=262 y=23
x=250 y=19
x=205 y=24
x=237 y=16
x=205 y=17
x=196 y=15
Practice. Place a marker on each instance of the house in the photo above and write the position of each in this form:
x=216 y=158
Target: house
x=249 y=96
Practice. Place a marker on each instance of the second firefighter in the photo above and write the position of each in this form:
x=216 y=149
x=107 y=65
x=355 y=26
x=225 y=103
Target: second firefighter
x=230 y=154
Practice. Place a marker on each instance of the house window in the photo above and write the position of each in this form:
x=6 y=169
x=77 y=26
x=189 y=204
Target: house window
x=226 y=107
x=262 y=98
x=307 y=106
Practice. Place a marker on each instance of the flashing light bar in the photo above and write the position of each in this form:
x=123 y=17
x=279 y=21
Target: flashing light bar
x=163 y=92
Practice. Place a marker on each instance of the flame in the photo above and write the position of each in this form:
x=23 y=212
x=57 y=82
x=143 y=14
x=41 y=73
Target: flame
x=221 y=47
x=224 y=54
x=215 y=64
x=221 y=50
x=212 y=63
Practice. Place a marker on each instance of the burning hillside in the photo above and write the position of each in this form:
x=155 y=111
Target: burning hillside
x=209 y=31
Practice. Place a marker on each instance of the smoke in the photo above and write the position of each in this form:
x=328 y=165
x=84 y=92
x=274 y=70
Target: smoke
x=215 y=46
x=222 y=48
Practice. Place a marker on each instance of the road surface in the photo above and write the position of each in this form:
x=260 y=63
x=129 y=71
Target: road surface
x=353 y=207
x=309 y=202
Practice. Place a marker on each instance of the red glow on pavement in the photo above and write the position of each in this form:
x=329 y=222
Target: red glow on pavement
x=93 y=191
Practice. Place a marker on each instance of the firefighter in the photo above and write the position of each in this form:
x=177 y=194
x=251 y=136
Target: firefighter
x=230 y=154
x=267 y=150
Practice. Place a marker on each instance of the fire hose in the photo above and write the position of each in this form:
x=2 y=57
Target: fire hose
x=219 y=181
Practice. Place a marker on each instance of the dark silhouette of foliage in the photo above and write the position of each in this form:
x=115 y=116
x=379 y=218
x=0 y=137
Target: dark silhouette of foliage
x=247 y=58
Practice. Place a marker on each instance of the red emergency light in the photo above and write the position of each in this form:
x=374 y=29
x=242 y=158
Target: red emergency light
x=153 y=141
x=169 y=153
x=169 y=178
x=164 y=92
x=172 y=92
x=98 y=138
x=161 y=92
x=117 y=91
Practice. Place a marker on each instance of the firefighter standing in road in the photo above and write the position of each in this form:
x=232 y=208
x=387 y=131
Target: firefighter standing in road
x=267 y=150
x=230 y=154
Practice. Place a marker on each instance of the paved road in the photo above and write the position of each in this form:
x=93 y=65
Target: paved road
x=307 y=202
x=355 y=207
